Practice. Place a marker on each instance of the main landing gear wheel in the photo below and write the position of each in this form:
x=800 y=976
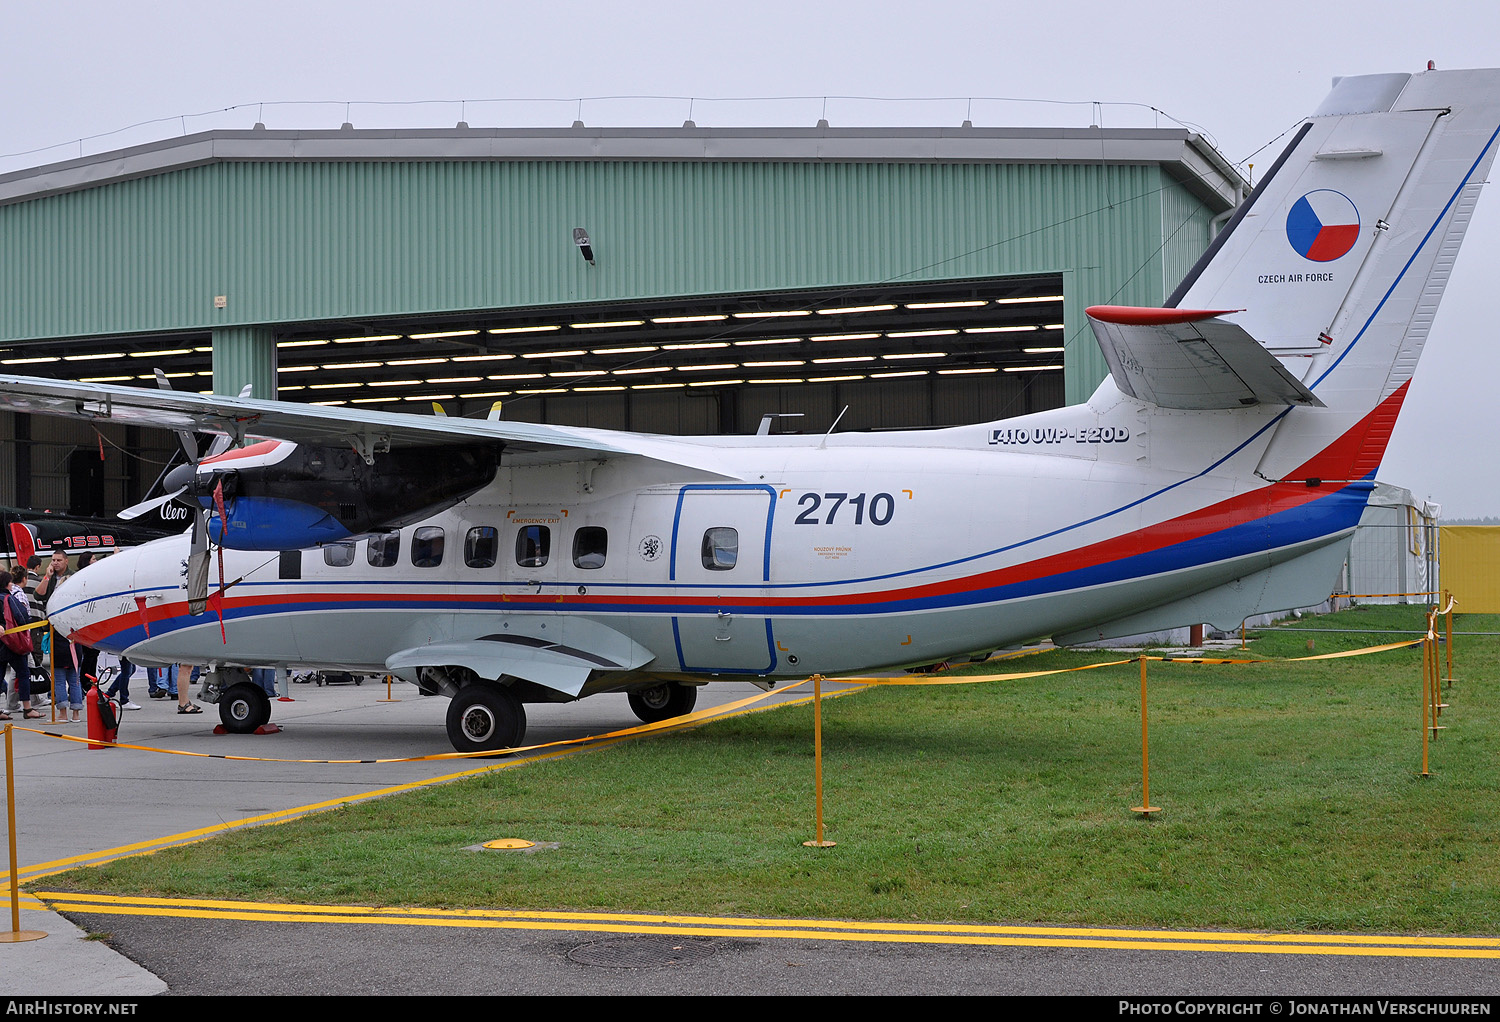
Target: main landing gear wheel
x=243 y=708
x=483 y=718
x=663 y=702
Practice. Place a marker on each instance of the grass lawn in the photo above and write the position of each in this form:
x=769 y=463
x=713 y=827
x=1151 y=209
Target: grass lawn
x=1290 y=794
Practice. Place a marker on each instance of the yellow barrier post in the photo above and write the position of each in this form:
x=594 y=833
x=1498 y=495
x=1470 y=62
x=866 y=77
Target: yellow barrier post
x=818 y=842
x=16 y=934
x=1448 y=628
x=1426 y=655
x=1145 y=808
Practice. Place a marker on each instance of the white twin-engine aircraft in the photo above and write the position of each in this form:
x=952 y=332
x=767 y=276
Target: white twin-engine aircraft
x=1218 y=473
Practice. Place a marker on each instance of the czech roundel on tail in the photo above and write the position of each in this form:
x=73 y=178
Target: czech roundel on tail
x=1218 y=473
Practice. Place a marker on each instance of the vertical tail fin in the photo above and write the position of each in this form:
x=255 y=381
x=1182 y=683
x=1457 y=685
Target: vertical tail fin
x=1340 y=256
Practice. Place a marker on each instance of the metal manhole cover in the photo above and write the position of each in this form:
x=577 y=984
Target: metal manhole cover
x=643 y=952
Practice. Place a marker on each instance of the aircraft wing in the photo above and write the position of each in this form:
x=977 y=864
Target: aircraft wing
x=1185 y=358
x=563 y=663
x=367 y=431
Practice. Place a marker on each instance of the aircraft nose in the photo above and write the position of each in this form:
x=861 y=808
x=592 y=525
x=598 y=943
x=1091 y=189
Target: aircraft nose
x=65 y=608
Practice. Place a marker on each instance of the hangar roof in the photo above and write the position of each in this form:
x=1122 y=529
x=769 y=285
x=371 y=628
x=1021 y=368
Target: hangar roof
x=1185 y=155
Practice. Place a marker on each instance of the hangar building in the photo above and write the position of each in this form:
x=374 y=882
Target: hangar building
x=673 y=280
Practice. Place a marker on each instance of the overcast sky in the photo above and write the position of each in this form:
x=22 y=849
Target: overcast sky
x=1241 y=74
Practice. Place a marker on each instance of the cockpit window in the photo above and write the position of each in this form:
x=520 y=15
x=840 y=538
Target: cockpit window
x=338 y=555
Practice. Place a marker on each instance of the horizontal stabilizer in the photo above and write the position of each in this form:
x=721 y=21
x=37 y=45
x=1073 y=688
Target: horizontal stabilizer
x=1185 y=358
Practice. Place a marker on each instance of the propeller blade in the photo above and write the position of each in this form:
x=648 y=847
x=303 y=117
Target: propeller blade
x=185 y=437
x=136 y=510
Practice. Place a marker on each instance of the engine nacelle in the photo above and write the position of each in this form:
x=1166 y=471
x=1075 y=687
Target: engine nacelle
x=284 y=496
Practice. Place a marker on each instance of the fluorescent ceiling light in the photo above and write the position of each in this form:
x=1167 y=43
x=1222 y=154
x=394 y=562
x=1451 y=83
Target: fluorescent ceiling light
x=963 y=372
x=579 y=372
x=428 y=397
x=544 y=390
x=106 y=354
x=1029 y=369
x=443 y=333
x=792 y=380
x=916 y=354
x=844 y=337
x=551 y=354
x=772 y=315
x=523 y=329
x=350 y=365
x=1028 y=301
x=397 y=383
x=29 y=361
x=855 y=308
x=998 y=329
x=767 y=365
x=518 y=376
x=891 y=376
x=415 y=361
x=689 y=319
x=623 y=351
x=921 y=333
x=330 y=386
x=699 y=369
x=104 y=379
x=281 y=369
x=716 y=383
x=481 y=358
x=150 y=354
x=835 y=379
x=456 y=379
x=374 y=337
x=695 y=347
x=945 y=305
x=846 y=358
x=1042 y=351
x=774 y=340
x=655 y=386
x=590 y=390
x=628 y=372
x=298 y=344
x=606 y=324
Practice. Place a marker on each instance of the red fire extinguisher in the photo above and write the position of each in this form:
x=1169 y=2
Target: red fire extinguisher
x=104 y=716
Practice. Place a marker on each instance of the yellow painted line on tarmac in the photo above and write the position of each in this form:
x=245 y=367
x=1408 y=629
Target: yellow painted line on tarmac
x=1363 y=945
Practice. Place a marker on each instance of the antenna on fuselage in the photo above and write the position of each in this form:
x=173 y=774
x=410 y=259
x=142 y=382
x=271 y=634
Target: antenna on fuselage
x=832 y=428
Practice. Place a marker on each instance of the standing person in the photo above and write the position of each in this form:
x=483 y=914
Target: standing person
x=69 y=694
x=13 y=651
x=26 y=579
x=186 y=675
x=121 y=687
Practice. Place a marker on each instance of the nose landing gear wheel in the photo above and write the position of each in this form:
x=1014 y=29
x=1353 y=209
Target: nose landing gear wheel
x=485 y=717
x=663 y=702
x=243 y=708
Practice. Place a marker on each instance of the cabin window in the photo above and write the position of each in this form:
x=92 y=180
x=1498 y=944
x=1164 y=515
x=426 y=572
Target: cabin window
x=383 y=551
x=482 y=546
x=589 y=547
x=721 y=548
x=338 y=555
x=533 y=545
x=427 y=546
